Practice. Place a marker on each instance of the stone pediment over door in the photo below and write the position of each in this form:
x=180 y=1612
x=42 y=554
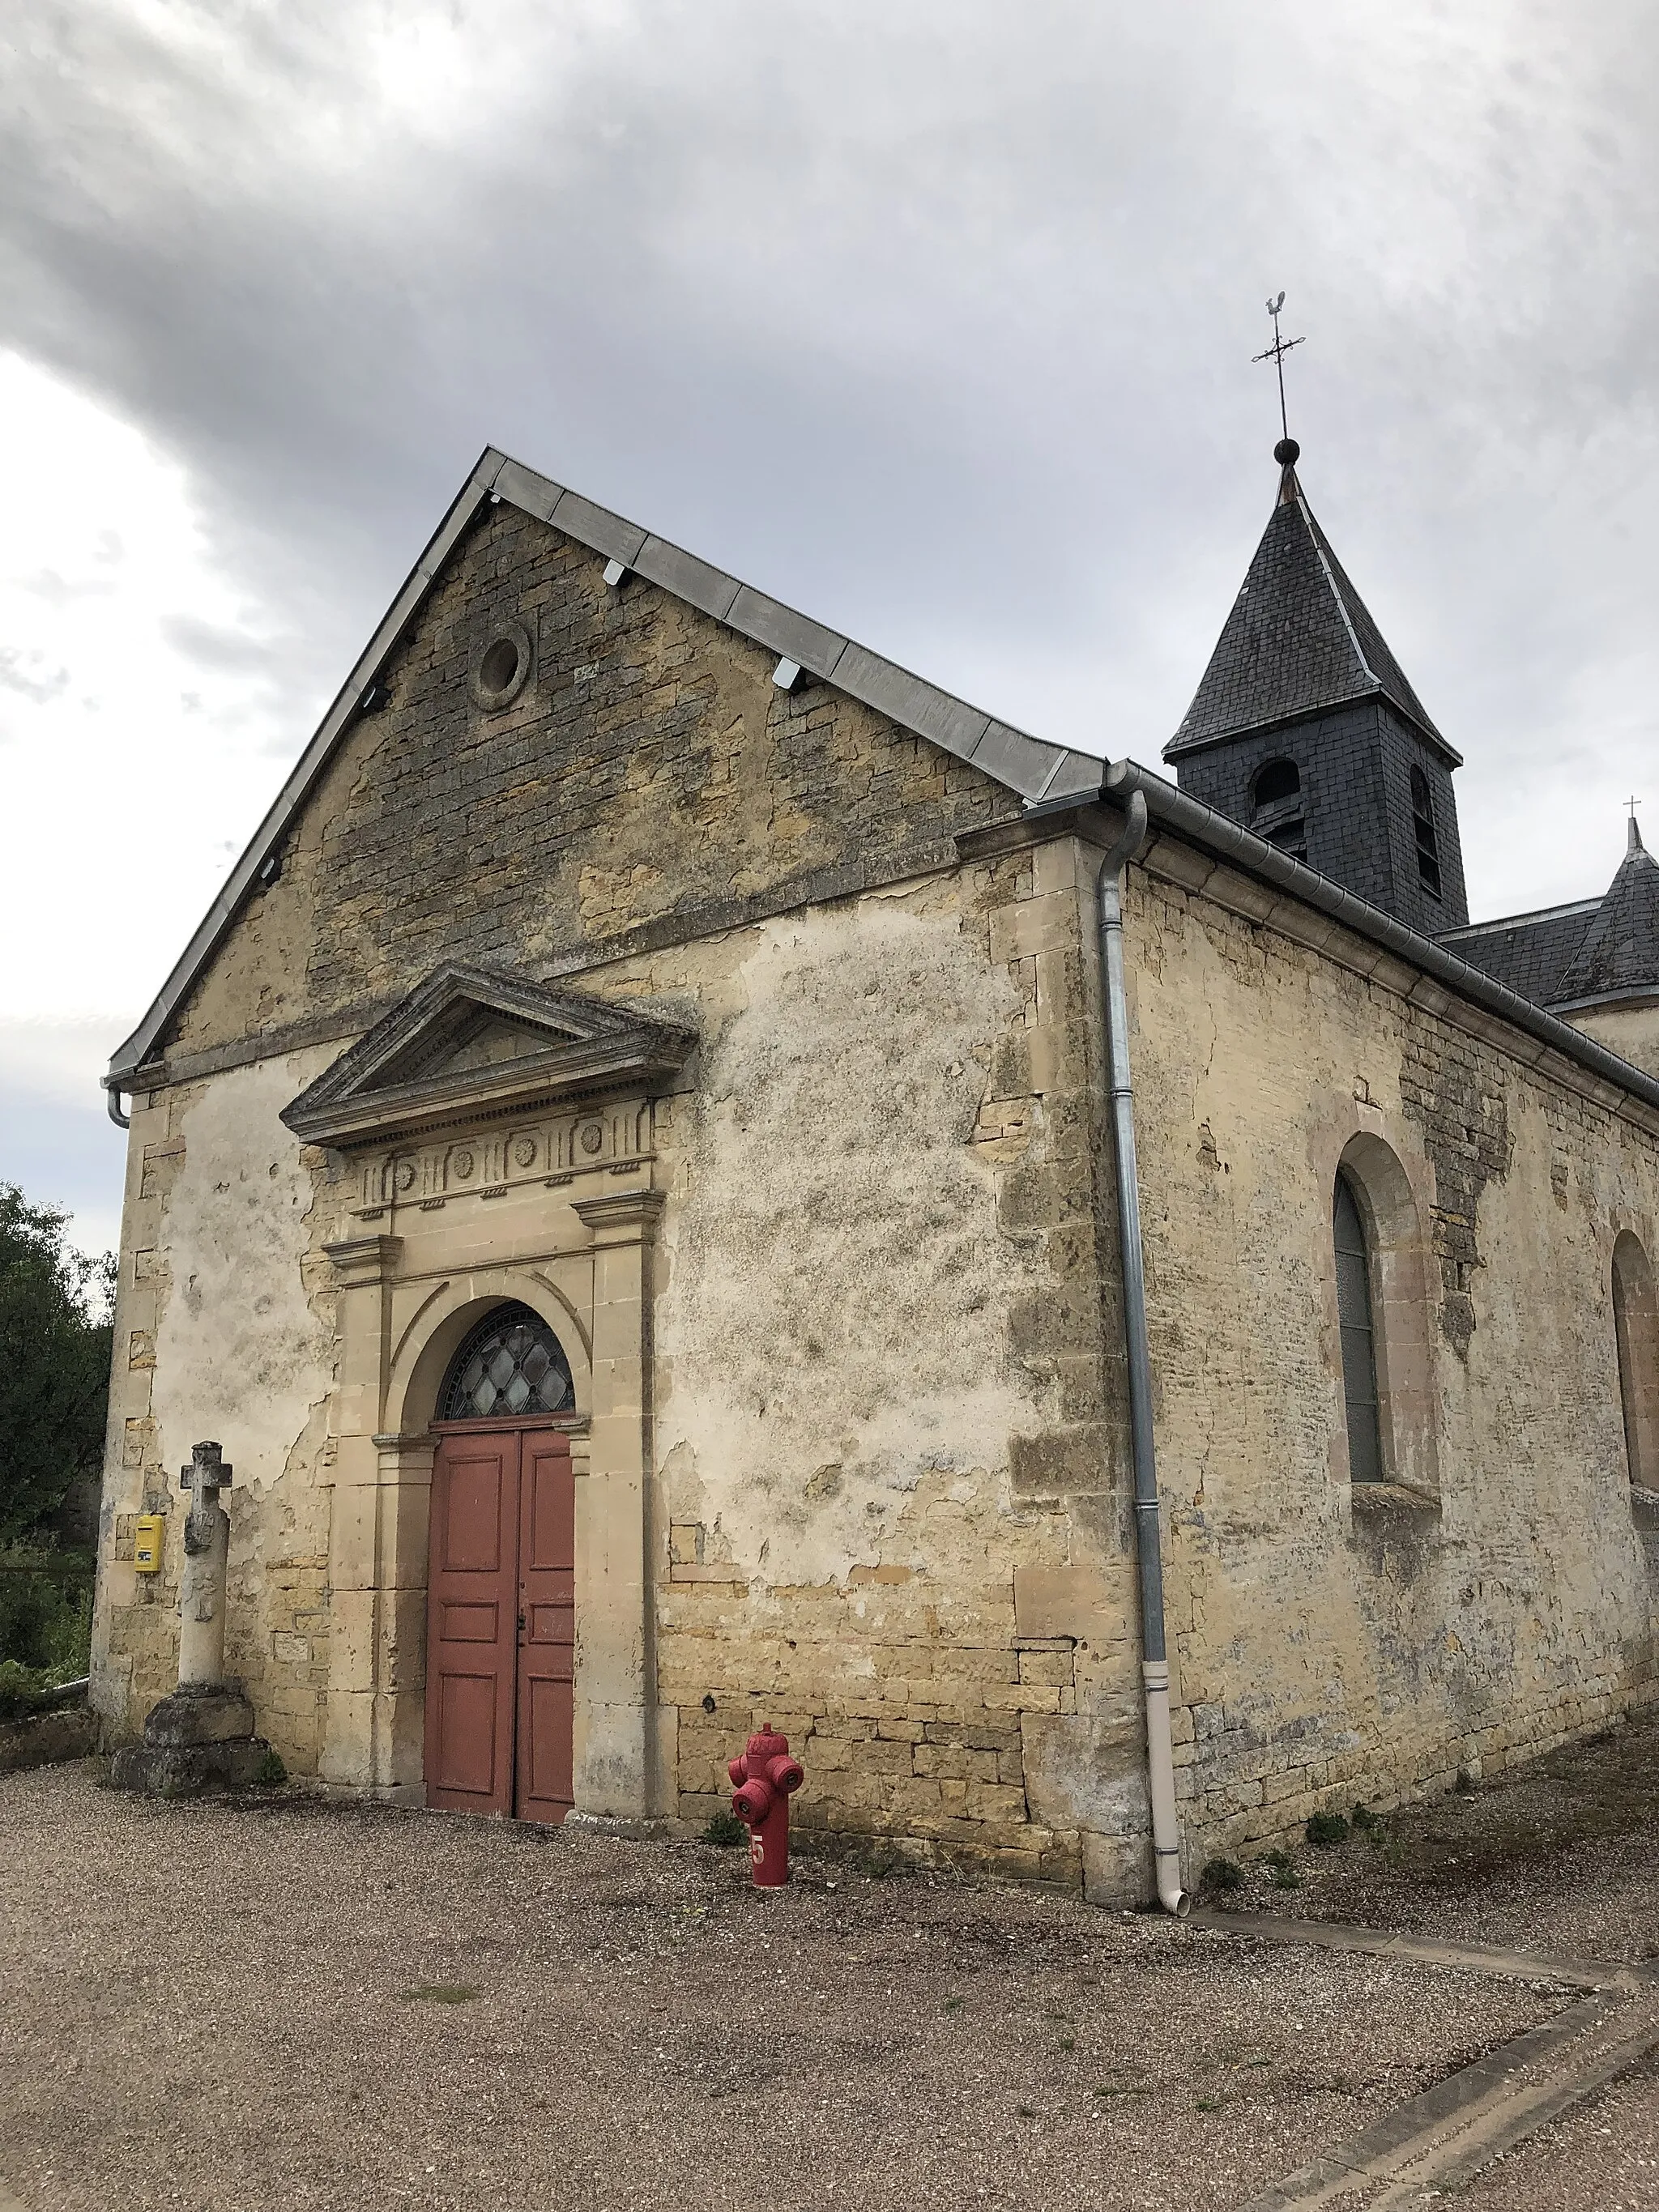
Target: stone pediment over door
x=471 y=1044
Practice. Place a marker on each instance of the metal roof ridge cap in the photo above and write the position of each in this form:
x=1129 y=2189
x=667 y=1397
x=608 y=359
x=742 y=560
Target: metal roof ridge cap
x=848 y=644
x=1519 y=921
x=1065 y=753
x=1306 y=513
x=1179 y=810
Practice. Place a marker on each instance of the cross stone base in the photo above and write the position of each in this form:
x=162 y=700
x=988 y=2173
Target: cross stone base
x=195 y=1741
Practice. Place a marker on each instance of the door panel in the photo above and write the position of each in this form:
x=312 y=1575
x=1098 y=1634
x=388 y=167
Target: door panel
x=469 y=1624
x=472 y=1624
x=467 y=1717
x=547 y=1595
x=478 y=1505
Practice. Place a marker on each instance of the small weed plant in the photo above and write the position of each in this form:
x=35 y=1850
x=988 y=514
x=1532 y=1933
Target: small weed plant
x=1281 y=1870
x=1325 y=1831
x=1220 y=1876
x=725 y=1829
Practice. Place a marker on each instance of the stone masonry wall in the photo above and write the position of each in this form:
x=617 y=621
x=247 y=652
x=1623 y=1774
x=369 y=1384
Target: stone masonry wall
x=890 y=1435
x=1334 y=1645
x=223 y=1328
x=1631 y=1031
x=649 y=782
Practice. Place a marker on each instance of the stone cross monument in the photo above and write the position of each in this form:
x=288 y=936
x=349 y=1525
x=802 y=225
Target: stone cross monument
x=201 y=1737
x=202 y=1584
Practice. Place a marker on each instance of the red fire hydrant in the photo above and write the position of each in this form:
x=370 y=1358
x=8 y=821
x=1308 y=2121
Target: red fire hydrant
x=766 y=1777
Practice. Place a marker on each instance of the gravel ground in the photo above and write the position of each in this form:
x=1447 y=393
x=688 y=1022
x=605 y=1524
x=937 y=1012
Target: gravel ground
x=289 y=2003
x=1604 y=2157
x=1561 y=1856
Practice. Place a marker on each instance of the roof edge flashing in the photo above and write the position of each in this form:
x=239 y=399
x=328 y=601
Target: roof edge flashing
x=1180 y=748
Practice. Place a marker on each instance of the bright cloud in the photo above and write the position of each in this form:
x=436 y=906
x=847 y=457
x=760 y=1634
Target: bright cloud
x=137 y=707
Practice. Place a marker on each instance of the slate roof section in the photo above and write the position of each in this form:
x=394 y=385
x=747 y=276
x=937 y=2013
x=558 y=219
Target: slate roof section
x=1300 y=640
x=1620 y=955
x=1526 y=952
x=1572 y=956
x=1036 y=770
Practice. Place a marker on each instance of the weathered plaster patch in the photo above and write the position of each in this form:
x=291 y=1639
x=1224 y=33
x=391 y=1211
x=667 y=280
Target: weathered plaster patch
x=840 y=1292
x=242 y=1356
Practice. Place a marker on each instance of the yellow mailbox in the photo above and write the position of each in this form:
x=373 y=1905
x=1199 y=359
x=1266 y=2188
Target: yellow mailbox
x=148 y=1533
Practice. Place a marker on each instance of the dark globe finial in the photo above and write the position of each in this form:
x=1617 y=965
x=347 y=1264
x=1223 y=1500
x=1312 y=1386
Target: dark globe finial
x=1287 y=453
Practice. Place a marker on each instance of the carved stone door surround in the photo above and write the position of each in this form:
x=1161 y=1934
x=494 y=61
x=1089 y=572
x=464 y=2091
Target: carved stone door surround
x=497 y=1139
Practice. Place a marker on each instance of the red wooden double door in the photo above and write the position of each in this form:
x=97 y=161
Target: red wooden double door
x=501 y=1622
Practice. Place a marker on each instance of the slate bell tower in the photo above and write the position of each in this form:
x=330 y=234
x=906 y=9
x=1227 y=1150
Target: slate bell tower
x=1306 y=730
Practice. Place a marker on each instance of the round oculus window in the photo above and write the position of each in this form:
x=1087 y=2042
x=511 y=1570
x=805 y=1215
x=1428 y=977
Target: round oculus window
x=501 y=667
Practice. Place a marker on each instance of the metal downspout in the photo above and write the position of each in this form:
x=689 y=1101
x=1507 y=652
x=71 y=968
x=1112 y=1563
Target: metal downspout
x=1154 y=1660
x=112 y=1099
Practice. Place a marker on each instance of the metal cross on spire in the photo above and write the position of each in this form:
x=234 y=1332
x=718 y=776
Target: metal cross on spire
x=1276 y=352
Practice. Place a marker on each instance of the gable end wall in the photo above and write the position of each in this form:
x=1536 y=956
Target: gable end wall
x=648 y=784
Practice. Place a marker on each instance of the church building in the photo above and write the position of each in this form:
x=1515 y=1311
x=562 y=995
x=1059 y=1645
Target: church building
x=699 y=1180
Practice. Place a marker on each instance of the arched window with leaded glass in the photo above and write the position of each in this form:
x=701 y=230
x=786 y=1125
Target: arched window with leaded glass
x=1354 y=1313
x=510 y=1367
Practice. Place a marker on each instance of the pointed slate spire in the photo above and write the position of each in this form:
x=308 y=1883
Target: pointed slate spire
x=1300 y=641
x=1620 y=950
x=1306 y=730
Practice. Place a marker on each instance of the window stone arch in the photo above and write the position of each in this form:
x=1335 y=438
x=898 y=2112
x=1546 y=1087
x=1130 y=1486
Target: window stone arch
x=1396 y=1281
x=511 y=1366
x=423 y=1352
x=1636 y=1333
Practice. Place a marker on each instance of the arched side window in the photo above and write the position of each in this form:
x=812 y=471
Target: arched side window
x=1385 y=1269
x=1277 y=812
x=1636 y=1329
x=1428 y=844
x=509 y=1367
x=1353 y=1307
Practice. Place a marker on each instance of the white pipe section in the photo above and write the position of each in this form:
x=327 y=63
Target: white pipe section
x=1154 y=1661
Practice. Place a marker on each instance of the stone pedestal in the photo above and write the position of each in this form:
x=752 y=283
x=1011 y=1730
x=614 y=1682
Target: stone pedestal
x=200 y=1738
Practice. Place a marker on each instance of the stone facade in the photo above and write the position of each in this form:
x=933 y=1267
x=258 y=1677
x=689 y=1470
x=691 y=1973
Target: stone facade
x=1632 y=1031
x=1340 y=1641
x=840 y=1292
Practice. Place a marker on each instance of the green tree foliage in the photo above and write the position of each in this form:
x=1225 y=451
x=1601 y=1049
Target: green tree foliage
x=54 y=1362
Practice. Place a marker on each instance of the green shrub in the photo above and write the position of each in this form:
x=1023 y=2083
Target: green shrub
x=725 y=1829
x=1326 y=1831
x=1220 y=1875
x=46 y=1608
x=25 y=1690
x=270 y=1771
x=54 y=1364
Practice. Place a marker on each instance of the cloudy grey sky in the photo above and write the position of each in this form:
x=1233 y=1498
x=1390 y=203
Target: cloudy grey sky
x=935 y=319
